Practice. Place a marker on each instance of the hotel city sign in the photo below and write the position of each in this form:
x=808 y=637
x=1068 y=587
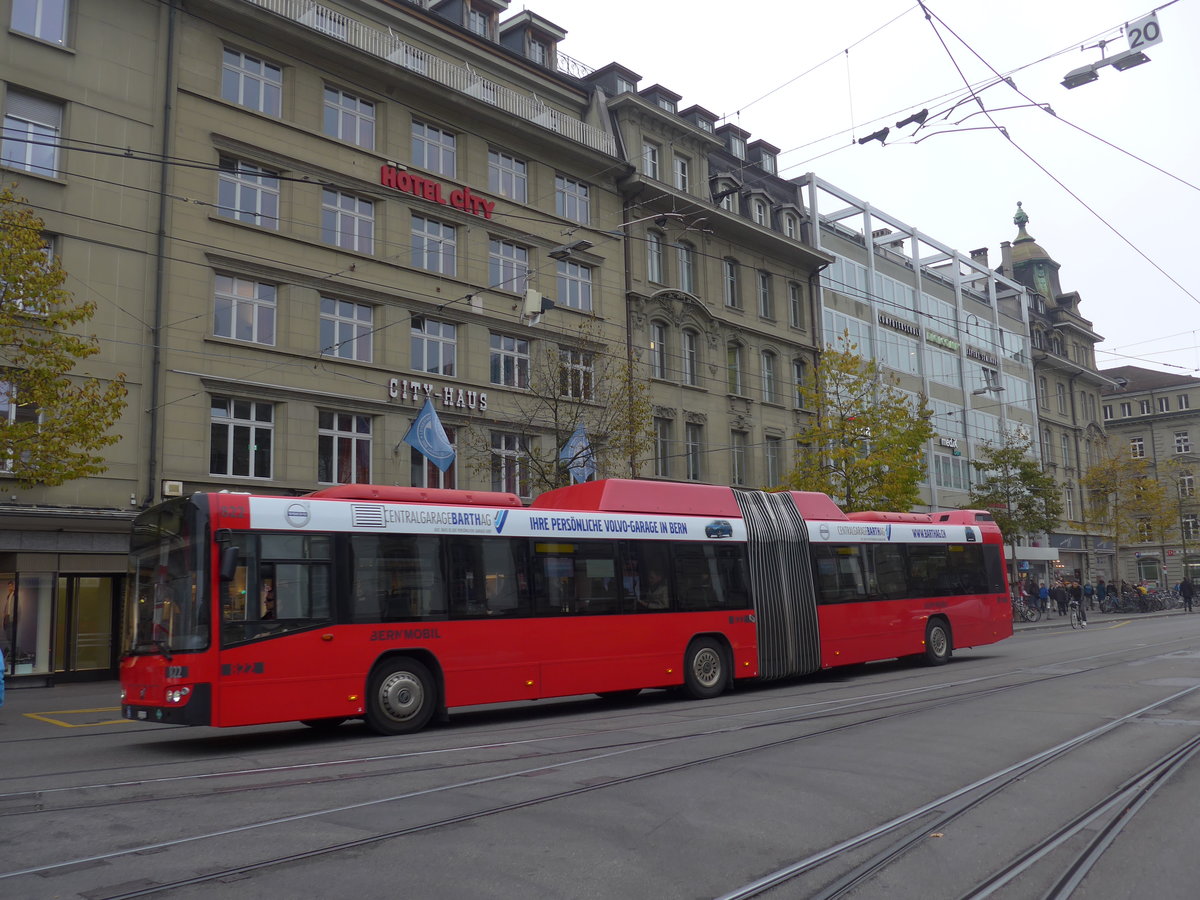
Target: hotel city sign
x=435 y=191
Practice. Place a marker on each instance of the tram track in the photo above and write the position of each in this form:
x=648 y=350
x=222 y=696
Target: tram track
x=915 y=826
x=911 y=698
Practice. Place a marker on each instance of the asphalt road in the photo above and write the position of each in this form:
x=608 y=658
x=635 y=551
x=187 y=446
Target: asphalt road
x=1058 y=763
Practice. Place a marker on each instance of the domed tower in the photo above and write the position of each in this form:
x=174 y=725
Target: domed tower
x=1029 y=264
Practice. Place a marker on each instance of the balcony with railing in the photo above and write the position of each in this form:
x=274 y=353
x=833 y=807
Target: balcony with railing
x=384 y=44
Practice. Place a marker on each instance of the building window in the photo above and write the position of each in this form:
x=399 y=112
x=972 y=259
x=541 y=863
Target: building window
x=14 y=412
x=664 y=103
x=1145 y=529
x=539 y=51
x=509 y=360
x=248 y=193
x=1183 y=443
x=766 y=302
x=1183 y=402
x=1047 y=447
x=349 y=118
x=571 y=199
x=1062 y=397
x=244 y=310
x=434 y=347
x=799 y=381
x=240 y=438
x=1126 y=410
x=1187 y=486
x=251 y=82
x=434 y=246
x=576 y=374
x=654 y=258
x=1137 y=448
x=1190 y=527
x=795 y=305
x=650 y=160
x=658 y=350
x=479 y=22
x=1164 y=404
x=575 y=285
x=508 y=266
x=729 y=202
x=347 y=221
x=770 y=389
x=682 y=173
x=791 y=227
x=625 y=86
x=507 y=176
x=1107 y=412
x=433 y=149
x=509 y=463
x=685 y=256
x=737 y=458
x=729 y=283
x=662 y=448
x=423 y=473
x=760 y=213
x=32 y=127
x=1143 y=407
x=737 y=146
x=733 y=367
x=1043 y=392
x=691 y=357
x=773 y=460
x=1065 y=443
x=43 y=19
x=693 y=448
x=346 y=329
x=343 y=448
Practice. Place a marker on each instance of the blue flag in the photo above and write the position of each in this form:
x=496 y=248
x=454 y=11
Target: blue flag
x=577 y=454
x=429 y=437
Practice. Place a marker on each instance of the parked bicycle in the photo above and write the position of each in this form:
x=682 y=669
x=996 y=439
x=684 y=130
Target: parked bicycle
x=1025 y=612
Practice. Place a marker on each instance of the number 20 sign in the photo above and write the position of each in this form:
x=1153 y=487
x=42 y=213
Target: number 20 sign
x=1144 y=32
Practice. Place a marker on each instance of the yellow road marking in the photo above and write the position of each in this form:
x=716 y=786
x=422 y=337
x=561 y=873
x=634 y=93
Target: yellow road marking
x=47 y=717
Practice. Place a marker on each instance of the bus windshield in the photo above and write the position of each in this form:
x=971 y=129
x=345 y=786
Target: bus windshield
x=165 y=608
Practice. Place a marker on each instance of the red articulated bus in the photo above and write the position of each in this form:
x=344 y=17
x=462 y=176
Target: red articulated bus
x=397 y=604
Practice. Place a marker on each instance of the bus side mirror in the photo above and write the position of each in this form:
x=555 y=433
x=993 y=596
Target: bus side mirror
x=229 y=562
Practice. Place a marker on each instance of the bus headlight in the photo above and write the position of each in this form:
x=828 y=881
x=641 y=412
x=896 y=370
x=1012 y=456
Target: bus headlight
x=177 y=694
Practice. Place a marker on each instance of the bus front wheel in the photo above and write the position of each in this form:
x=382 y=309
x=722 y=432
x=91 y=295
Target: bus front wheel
x=704 y=672
x=937 y=643
x=401 y=697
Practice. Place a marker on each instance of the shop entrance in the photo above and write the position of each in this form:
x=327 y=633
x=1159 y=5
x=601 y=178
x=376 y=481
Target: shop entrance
x=85 y=621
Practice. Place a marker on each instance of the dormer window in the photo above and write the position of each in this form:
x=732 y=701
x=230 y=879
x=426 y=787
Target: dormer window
x=539 y=52
x=760 y=213
x=767 y=162
x=705 y=125
x=625 y=86
x=668 y=105
x=479 y=22
x=737 y=146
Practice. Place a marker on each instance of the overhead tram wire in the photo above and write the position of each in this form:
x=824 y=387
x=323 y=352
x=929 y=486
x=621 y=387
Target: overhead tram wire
x=930 y=16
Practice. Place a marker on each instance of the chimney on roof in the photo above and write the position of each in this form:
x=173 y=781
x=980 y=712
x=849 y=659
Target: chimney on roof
x=980 y=256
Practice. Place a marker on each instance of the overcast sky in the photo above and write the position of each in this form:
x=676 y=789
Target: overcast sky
x=811 y=78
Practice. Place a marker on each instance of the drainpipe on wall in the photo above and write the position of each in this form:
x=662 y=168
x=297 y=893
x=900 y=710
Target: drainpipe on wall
x=160 y=259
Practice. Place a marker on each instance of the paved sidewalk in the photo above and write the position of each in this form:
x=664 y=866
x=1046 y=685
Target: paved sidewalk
x=1095 y=617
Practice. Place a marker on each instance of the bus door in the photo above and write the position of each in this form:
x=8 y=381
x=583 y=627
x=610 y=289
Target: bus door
x=280 y=659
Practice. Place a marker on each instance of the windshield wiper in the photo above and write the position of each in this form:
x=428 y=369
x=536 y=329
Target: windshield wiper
x=165 y=648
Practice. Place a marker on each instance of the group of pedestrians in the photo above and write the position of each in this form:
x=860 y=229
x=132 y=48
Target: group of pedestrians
x=1057 y=597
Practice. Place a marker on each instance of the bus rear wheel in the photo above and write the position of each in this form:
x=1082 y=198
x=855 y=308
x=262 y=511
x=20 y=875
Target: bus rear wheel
x=937 y=643
x=704 y=672
x=401 y=697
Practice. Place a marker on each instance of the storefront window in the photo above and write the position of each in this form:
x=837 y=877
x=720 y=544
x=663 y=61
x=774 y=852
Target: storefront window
x=26 y=623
